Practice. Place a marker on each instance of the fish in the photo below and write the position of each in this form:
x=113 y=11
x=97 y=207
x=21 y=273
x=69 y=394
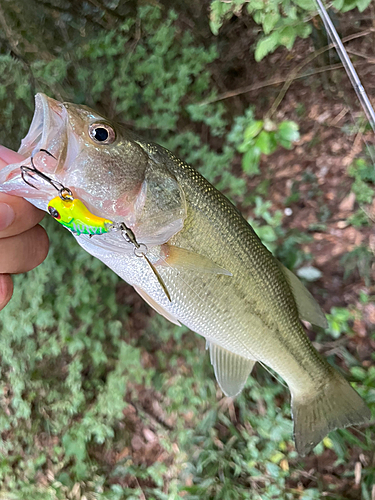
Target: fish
x=212 y=272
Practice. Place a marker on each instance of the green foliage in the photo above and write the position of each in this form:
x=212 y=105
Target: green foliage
x=285 y=33
x=364 y=178
x=254 y=137
x=282 y=21
x=359 y=219
x=269 y=232
x=362 y=170
x=284 y=245
x=338 y=321
x=52 y=333
x=233 y=461
x=360 y=260
x=346 y=5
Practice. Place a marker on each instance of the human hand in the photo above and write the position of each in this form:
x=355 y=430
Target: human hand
x=23 y=243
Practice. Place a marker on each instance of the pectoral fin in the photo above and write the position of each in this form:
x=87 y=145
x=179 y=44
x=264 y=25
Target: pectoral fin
x=158 y=308
x=309 y=310
x=177 y=257
x=231 y=370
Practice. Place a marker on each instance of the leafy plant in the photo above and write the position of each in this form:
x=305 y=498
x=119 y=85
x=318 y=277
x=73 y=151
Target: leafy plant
x=364 y=177
x=361 y=259
x=338 y=321
x=282 y=21
x=346 y=5
x=256 y=137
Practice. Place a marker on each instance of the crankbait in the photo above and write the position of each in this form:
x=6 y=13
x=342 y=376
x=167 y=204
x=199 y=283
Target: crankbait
x=74 y=215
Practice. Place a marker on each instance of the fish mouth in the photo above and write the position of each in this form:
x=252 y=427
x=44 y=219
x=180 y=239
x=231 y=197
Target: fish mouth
x=44 y=148
x=49 y=118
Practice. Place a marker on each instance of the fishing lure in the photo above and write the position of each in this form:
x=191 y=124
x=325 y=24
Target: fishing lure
x=75 y=216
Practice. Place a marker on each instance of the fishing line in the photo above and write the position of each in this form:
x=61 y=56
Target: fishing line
x=349 y=68
x=358 y=128
x=353 y=77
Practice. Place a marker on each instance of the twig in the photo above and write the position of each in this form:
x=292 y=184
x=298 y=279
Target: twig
x=142 y=497
x=356 y=148
x=277 y=81
x=339 y=117
x=359 y=54
x=292 y=76
x=367 y=424
x=139 y=406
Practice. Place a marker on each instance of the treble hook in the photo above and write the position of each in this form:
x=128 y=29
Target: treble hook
x=28 y=172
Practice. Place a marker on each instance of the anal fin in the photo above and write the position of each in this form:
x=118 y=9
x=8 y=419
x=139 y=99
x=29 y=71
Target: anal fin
x=231 y=370
x=158 y=308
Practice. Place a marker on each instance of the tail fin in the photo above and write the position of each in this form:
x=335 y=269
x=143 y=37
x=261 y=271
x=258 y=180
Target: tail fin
x=335 y=405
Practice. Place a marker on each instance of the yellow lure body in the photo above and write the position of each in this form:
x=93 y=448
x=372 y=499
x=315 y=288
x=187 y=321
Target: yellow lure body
x=74 y=215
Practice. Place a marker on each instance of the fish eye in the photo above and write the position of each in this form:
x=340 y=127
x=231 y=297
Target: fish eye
x=55 y=214
x=101 y=133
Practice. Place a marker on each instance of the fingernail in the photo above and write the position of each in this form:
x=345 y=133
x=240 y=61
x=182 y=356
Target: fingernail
x=6 y=216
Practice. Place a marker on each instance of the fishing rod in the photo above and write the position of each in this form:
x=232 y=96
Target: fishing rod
x=349 y=68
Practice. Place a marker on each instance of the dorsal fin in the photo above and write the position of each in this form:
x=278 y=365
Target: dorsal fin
x=309 y=310
x=231 y=370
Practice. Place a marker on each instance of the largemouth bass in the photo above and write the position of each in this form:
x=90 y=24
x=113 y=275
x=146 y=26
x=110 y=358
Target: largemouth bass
x=201 y=264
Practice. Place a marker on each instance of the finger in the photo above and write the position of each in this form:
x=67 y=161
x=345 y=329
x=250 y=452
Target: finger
x=21 y=253
x=17 y=215
x=8 y=156
x=6 y=290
